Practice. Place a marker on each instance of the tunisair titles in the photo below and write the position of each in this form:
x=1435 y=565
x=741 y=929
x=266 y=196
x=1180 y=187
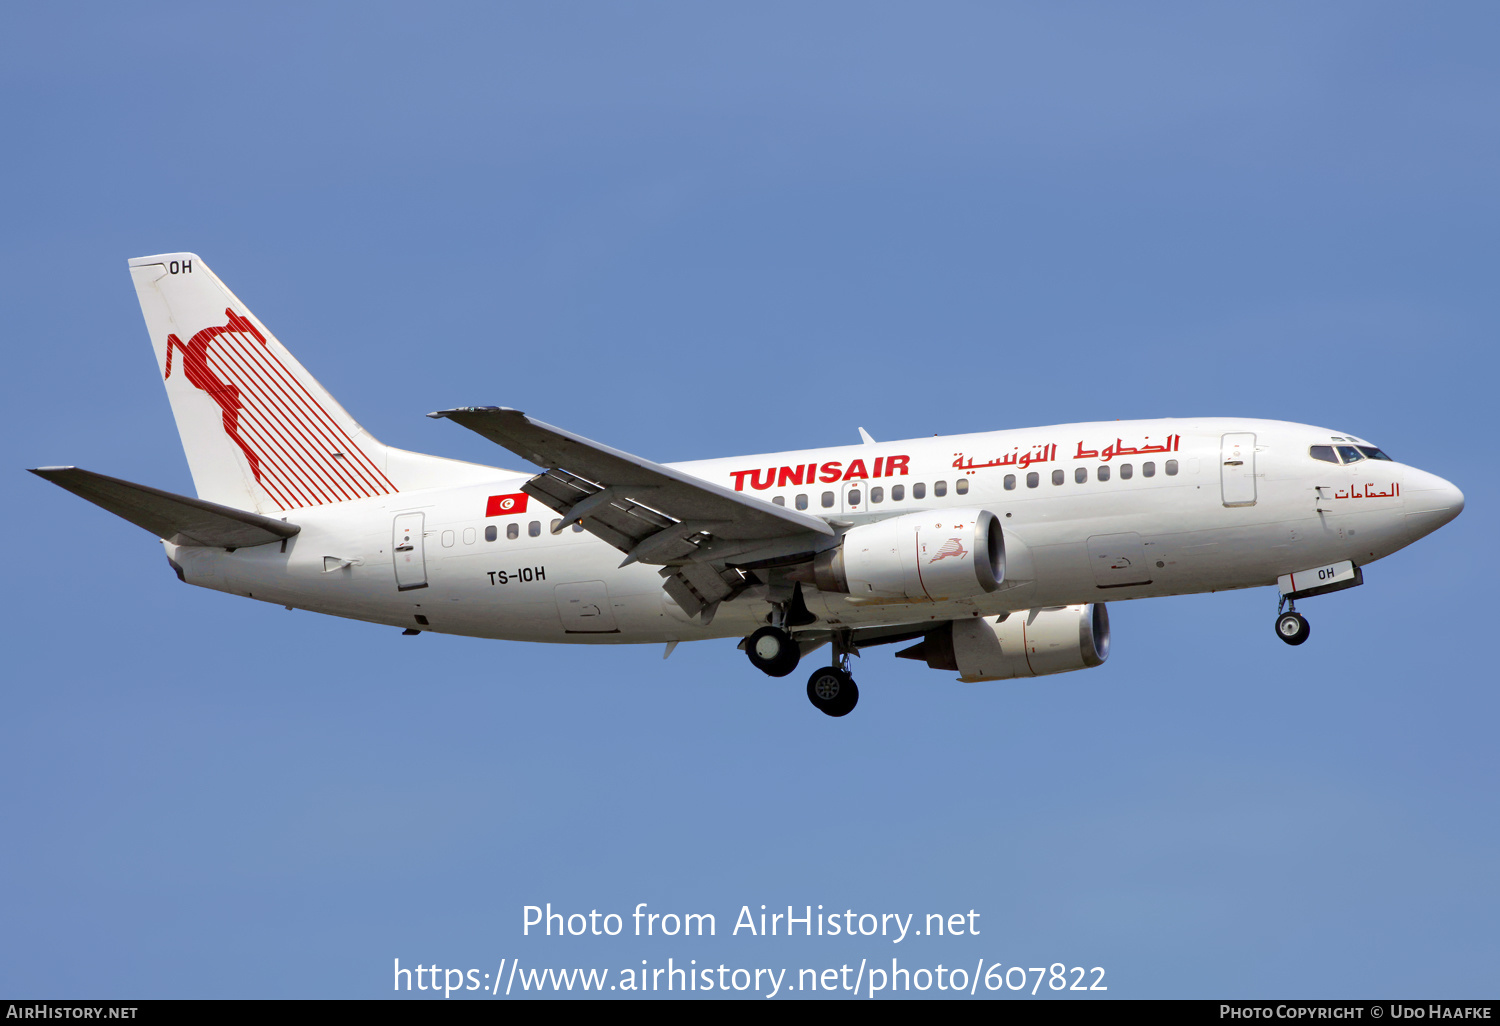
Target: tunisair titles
x=833 y=471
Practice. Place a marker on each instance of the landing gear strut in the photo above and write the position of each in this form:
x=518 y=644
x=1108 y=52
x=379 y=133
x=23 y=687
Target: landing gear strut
x=832 y=689
x=1291 y=626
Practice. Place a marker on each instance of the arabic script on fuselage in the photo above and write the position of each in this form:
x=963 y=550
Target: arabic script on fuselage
x=1023 y=458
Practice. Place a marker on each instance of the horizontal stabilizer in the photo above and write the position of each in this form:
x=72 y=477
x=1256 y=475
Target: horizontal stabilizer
x=176 y=518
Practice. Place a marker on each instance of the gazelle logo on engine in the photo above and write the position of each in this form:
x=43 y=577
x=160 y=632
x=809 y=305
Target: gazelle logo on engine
x=951 y=547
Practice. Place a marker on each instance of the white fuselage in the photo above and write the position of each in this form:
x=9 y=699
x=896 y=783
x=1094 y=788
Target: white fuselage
x=1213 y=520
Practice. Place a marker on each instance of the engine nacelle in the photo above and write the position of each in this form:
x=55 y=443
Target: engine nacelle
x=1052 y=640
x=919 y=557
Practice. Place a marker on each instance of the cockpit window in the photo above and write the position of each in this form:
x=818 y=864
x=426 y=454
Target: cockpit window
x=1347 y=453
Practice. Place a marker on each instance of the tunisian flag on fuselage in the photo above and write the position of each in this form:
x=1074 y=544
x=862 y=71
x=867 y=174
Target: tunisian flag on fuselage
x=504 y=505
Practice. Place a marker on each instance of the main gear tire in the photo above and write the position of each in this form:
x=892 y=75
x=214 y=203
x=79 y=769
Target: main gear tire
x=773 y=651
x=832 y=691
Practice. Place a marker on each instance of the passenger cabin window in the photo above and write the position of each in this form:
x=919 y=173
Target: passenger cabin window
x=961 y=486
x=898 y=492
x=1324 y=453
x=1081 y=475
x=877 y=494
x=555 y=525
x=577 y=528
x=778 y=500
x=1058 y=477
x=491 y=533
x=1148 y=469
x=534 y=528
x=828 y=500
x=802 y=501
x=1126 y=471
x=854 y=496
x=1010 y=482
x=1033 y=479
x=919 y=491
x=513 y=530
x=468 y=536
x=1103 y=472
x=1171 y=468
x=939 y=489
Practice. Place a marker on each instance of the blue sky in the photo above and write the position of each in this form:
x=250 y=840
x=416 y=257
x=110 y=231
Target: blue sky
x=692 y=231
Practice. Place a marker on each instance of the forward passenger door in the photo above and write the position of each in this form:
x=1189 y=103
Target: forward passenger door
x=1237 y=469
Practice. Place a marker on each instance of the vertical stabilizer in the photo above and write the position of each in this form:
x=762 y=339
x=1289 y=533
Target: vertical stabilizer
x=259 y=431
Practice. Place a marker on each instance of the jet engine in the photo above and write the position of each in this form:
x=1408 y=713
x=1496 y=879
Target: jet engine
x=1022 y=644
x=919 y=557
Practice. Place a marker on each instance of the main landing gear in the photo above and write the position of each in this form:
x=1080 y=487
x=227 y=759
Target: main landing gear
x=1291 y=626
x=773 y=651
x=832 y=689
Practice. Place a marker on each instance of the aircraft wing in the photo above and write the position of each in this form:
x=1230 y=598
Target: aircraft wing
x=701 y=532
x=177 y=518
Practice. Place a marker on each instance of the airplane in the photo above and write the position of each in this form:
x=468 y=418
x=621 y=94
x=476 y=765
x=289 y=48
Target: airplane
x=993 y=554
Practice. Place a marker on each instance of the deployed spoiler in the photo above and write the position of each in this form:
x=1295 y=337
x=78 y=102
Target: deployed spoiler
x=176 y=518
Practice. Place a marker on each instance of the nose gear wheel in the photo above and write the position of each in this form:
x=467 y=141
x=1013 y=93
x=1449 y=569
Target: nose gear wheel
x=1292 y=628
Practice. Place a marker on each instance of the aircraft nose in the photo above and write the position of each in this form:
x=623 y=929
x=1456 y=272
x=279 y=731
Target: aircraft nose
x=1430 y=503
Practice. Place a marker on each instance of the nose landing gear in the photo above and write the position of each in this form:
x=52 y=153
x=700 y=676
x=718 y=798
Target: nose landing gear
x=1291 y=626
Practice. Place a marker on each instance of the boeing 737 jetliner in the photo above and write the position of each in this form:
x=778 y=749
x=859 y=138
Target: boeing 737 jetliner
x=991 y=554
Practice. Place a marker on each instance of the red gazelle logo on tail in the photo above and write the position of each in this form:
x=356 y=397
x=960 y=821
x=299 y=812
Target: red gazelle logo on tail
x=296 y=450
x=195 y=366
